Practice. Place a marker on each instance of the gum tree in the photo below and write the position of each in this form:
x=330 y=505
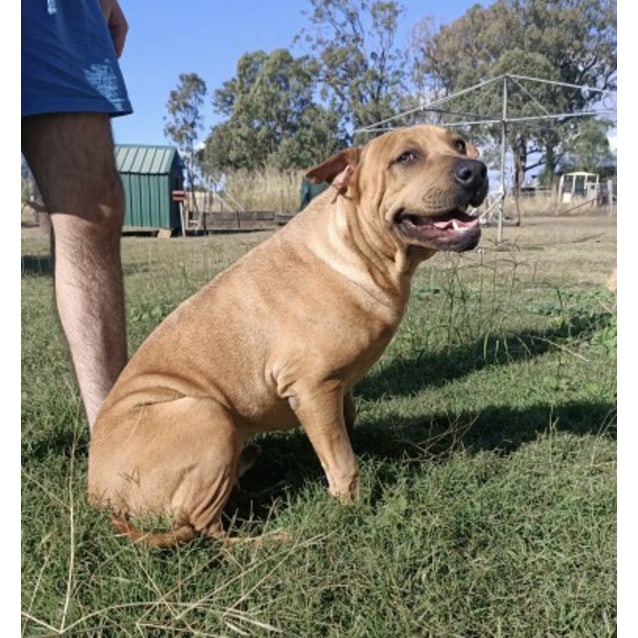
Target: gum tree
x=270 y=116
x=185 y=120
x=566 y=41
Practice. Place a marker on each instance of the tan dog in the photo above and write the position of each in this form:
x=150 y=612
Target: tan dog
x=282 y=336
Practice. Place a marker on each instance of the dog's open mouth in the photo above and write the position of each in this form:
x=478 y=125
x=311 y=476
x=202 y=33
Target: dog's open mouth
x=454 y=230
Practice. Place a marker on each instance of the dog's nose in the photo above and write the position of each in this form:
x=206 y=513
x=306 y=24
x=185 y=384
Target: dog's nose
x=470 y=174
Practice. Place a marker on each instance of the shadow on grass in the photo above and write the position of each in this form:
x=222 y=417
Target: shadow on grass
x=497 y=428
x=61 y=441
x=40 y=265
x=405 y=376
x=36 y=265
x=288 y=461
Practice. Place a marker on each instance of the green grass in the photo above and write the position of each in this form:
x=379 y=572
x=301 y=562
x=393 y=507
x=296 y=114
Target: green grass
x=487 y=447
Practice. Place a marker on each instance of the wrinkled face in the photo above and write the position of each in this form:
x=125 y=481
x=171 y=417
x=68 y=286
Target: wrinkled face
x=424 y=179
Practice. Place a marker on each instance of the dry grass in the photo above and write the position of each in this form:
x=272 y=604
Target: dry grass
x=556 y=246
x=263 y=190
x=271 y=190
x=545 y=204
x=548 y=244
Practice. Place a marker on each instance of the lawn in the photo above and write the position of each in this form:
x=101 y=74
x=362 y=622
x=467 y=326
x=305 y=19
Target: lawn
x=487 y=445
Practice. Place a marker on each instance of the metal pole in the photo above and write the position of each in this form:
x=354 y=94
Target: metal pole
x=499 y=232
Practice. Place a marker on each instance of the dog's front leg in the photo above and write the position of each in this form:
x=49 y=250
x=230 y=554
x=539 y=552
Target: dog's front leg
x=349 y=412
x=320 y=411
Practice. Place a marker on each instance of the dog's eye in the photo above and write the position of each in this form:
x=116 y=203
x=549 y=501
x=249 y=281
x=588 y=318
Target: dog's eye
x=460 y=146
x=407 y=157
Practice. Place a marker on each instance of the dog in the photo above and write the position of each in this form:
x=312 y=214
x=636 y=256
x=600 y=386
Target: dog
x=282 y=336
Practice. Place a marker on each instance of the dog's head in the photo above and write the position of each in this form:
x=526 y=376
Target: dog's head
x=419 y=181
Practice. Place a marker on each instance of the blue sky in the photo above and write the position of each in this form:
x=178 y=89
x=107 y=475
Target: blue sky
x=208 y=37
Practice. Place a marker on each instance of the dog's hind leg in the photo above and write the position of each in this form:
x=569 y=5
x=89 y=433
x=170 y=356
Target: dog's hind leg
x=163 y=540
x=212 y=447
x=178 y=459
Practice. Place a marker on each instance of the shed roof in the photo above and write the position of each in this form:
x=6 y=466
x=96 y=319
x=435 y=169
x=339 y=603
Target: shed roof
x=153 y=160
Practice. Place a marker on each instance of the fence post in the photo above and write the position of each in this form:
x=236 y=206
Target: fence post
x=180 y=198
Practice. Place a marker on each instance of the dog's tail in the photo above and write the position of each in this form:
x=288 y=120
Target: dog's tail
x=162 y=540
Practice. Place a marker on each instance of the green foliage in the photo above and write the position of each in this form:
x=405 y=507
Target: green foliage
x=582 y=319
x=563 y=41
x=589 y=149
x=185 y=118
x=154 y=314
x=362 y=69
x=272 y=118
x=573 y=42
x=292 y=112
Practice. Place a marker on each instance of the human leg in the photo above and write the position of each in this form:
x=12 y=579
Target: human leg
x=72 y=160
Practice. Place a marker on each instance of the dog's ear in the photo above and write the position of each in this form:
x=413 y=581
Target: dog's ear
x=336 y=170
x=471 y=151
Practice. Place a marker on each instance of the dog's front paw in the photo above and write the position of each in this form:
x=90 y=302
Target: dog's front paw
x=348 y=495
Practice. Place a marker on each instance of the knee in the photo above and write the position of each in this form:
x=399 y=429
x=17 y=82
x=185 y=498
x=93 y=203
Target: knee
x=93 y=210
x=92 y=227
x=103 y=216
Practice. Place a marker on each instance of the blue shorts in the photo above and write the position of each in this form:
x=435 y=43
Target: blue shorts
x=68 y=61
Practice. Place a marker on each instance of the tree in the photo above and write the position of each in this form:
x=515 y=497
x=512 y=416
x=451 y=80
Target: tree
x=272 y=117
x=566 y=41
x=361 y=70
x=589 y=151
x=185 y=120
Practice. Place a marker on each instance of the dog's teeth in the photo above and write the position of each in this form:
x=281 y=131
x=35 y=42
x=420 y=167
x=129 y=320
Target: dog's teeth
x=458 y=227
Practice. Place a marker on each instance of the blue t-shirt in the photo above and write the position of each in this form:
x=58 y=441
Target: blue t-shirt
x=68 y=60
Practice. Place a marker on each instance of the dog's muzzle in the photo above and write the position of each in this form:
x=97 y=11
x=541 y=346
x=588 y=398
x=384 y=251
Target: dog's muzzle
x=451 y=228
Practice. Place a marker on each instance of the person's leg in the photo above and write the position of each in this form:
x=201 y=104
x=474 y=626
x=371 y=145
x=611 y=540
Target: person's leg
x=72 y=160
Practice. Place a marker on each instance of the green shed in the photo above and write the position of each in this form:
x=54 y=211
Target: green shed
x=149 y=176
x=309 y=191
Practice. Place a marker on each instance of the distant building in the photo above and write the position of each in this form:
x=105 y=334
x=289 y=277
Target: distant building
x=149 y=176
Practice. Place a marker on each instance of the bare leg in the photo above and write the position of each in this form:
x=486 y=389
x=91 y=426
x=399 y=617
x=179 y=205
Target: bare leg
x=71 y=158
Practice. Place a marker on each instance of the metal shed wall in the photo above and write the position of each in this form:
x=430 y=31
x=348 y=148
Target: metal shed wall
x=149 y=174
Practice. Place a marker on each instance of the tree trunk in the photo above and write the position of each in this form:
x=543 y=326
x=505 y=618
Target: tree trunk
x=550 y=166
x=520 y=166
